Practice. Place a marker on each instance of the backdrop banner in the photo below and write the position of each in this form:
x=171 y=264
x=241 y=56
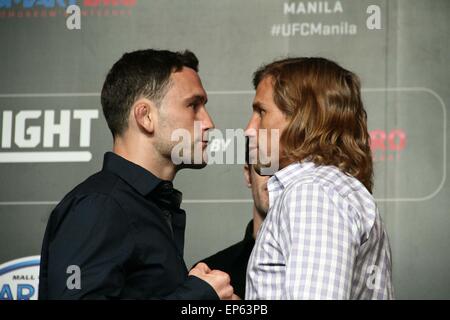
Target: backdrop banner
x=55 y=55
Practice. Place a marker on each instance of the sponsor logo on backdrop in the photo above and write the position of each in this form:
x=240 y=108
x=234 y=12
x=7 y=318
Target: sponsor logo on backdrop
x=37 y=135
x=387 y=145
x=19 y=279
x=324 y=18
x=55 y=8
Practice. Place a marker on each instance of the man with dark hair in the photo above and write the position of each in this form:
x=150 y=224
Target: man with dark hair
x=234 y=259
x=323 y=237
x=120 y=233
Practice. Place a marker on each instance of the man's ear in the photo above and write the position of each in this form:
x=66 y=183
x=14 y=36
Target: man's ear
x=145 y=114
x=247 y=175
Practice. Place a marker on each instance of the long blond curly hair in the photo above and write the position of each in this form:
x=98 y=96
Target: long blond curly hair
x=327 y=120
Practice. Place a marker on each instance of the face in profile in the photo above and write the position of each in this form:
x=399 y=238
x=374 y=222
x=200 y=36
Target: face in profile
x=183 y=111
x=266 y=117
x=258 y=185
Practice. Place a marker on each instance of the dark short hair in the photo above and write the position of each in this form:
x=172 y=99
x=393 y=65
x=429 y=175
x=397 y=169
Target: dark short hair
x=327 y=119
x=142 y=73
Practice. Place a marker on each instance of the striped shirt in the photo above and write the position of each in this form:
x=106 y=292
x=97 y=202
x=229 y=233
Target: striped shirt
x=323 y=238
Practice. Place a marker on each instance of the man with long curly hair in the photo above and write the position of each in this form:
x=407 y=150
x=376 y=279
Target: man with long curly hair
x=323 y=237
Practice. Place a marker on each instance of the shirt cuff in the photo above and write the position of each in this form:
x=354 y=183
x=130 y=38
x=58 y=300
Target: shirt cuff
x=201 y=290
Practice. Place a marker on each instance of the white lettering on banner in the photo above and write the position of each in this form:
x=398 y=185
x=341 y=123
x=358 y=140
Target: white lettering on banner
x=26 y=134
x=51 y=129
x=321 y=28
x=311 y=29
x=85 y=117
x=6 y=134
x=312 y=7
x=33 y=132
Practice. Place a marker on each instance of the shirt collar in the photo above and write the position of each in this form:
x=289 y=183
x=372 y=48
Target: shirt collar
x=136 y=176
x=288 y=174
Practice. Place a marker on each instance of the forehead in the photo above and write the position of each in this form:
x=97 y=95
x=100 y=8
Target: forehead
x=186 y=82
x=264 y=91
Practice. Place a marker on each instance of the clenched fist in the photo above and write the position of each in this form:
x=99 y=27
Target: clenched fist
x=219 y=280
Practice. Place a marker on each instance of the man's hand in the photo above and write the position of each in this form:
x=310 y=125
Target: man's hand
x=219 y=280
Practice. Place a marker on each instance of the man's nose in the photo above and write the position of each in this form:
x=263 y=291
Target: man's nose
x=252 y=127
x=207 y=122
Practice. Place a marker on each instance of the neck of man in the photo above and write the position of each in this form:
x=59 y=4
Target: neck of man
x=257 y=221
x=144 y=154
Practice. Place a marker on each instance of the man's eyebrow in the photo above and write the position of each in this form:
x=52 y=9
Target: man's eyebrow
x=198 y=98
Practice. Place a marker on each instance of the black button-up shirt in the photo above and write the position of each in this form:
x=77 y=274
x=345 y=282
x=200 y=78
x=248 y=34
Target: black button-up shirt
x=124 y=230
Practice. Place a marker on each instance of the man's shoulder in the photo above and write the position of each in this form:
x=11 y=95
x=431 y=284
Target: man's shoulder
x=86 y=205
x=345 y=192
x=100 y=183
x=96 y=190
x=329 y=179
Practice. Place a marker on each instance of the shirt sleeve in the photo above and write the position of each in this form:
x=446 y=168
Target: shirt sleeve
x=319 y=242
x=193 y=288
x=89 y=252
x=89 y=244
